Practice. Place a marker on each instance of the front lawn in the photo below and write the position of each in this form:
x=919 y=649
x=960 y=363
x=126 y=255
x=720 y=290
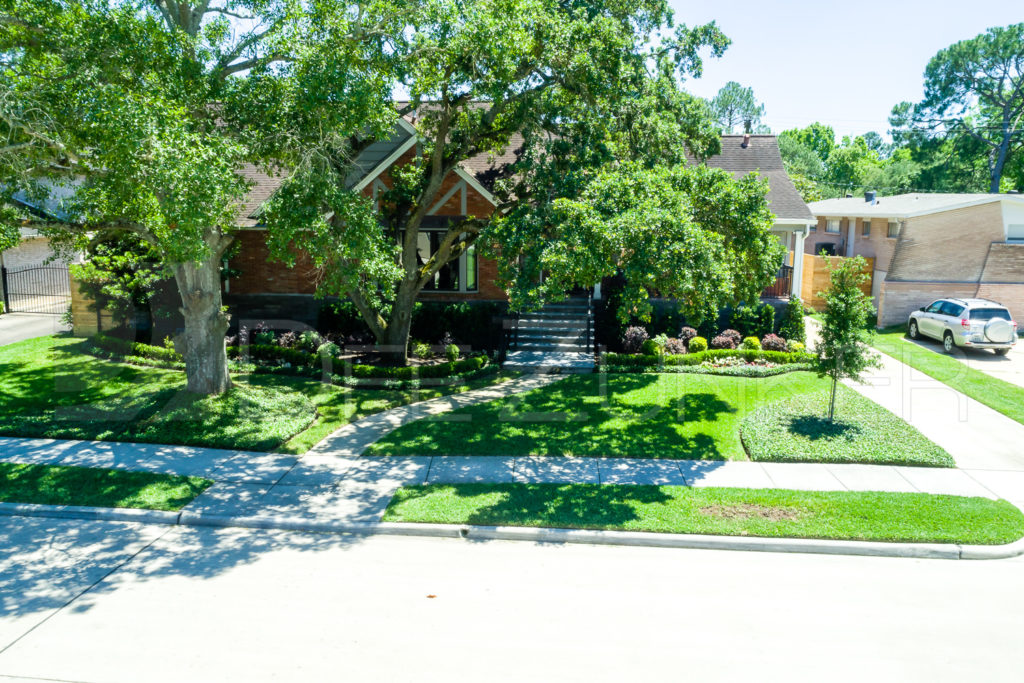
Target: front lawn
x=605 y=415
x=1001 y=396
x=54 y=389
x=848 y=515
x=58 y=485
x=796 y=430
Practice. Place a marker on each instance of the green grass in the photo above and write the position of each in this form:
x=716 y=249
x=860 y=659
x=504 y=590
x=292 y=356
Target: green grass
x=57 y=485
x=796 y=430
x=997 y=394
x=631 y=415
x=54 y=389
x=903 y=517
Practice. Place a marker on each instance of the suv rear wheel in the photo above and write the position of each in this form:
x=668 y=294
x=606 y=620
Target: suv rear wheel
x=947 y=342
x=1001 y=352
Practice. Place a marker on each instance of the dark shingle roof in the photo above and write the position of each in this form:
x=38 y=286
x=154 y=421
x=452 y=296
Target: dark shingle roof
x=762 y=155
x=263 y=185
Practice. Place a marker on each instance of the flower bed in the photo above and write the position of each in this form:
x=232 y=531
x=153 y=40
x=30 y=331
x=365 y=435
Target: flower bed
x=736 y=362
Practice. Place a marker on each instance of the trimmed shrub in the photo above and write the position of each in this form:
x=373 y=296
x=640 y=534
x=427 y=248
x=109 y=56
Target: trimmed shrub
x=697 y=345
x=651 y=347
x=420 y=349
x=451 y=352
x=732 y=334
x=744 y=319
x=329 y=349
x=696 y=358
x=675 y=346
x=773 y=342
x=723 y=342
x=634 y=338
x=795 y=346
x=792 y=327
x=686 y=334
x=310 y=340
x=125 y=348
x=288 y=340
x=751 y=343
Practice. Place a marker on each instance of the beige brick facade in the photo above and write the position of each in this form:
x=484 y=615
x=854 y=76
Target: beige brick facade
x=948 y=246
x=899 y=299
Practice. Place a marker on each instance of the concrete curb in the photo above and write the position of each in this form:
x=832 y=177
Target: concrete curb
x=83 y=512
x=944 y=551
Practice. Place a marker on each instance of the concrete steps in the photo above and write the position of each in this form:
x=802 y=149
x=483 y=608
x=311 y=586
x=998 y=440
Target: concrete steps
x=559 y=337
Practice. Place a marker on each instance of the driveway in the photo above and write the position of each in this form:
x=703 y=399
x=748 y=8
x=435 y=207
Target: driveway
x=1009 y=368
x=16 y=327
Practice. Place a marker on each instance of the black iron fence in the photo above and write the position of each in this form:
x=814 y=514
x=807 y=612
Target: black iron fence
x=782 y=287
x=36 y=289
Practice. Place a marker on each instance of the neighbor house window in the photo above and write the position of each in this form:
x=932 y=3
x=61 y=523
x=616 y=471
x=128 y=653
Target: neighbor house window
x=865 y=227
x=832 y=225
x=1015 y=233
x=894 y=229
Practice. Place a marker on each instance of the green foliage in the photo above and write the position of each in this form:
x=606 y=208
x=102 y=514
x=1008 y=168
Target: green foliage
x=792 y=327
x=756 y=321
x=776 y=513
x=972 y=98
x=123 y=348
x=751 y=344
x=451 y=352
x=843 y=351
x=735 y=105
x=421 y=349
x=94 y=487
x=310 y=340
x=795 y=346
x=794 y=430
x=328 y=350
x=626 y=360
x=651 y=347
x=698 y=344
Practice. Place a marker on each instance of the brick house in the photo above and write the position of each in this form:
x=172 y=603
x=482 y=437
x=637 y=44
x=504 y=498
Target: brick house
x=265 y=289
x=927 y=246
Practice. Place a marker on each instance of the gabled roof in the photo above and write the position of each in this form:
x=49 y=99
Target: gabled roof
x=263 y=186
x=761 y=154
x=906 y=205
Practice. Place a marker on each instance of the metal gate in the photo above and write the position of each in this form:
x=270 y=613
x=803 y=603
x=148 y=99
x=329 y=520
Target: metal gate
x=37 y=289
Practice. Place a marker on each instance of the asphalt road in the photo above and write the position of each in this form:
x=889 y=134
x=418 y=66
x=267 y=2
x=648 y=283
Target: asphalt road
x=94 y=601
x=15 y=327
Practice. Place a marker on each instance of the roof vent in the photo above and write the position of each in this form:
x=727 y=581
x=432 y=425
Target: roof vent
x=869 y=197
x=849 y=196
x=746 y=141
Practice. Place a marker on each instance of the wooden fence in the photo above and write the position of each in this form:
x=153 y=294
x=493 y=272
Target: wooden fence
x=815 y=279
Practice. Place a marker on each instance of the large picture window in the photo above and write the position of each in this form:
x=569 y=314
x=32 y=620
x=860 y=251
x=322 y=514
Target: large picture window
x=455 y=276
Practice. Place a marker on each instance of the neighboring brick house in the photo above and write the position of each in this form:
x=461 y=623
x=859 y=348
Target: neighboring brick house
x=928 y=246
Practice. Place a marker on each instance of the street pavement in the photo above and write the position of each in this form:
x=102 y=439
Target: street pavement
x=15 y=327
x=239 y=605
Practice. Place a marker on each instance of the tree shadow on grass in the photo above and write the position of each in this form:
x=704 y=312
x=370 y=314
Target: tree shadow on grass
x=563 y=505
x=814 y=428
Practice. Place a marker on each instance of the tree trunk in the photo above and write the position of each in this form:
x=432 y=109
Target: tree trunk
x=832 y=401
x=202 y=344
x=397 y=332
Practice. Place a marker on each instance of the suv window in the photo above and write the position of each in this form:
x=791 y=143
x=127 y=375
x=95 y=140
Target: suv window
x=934 y=307
x=985 y=314
x=951 y=309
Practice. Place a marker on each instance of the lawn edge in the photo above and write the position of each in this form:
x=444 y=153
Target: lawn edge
x=947 y=551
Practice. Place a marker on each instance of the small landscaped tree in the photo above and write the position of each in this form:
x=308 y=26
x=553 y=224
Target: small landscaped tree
x=843 y=352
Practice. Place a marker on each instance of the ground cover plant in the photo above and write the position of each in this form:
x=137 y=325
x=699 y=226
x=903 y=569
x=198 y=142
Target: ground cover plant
x=797 y=430
x=54 y=388
x=59 y=485
x=997 y=394
x=636 y=415
x=850 y=515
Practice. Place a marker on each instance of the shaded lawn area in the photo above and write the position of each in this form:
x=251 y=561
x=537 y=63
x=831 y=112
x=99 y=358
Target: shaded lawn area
x=796 y=430
x=848 y=515
x=53 y=389
x=59 y=485
x=613 y=415
x=997 y=394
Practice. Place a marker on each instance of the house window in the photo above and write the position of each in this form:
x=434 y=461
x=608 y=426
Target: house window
x=832 y=225
x=894 y=229
x=865 y=227
x=1015 y=233
x=455 y=276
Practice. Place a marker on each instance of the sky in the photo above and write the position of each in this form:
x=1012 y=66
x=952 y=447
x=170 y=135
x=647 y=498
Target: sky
x=844 y=64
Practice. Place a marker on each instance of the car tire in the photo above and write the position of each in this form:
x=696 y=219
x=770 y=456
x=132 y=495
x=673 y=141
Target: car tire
x=913 y=331
x=1001 y=352
x=948 y=344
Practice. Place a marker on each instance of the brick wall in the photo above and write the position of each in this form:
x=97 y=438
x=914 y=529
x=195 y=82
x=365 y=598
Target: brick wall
x=876 y=244
x=950 y=246
x=31 y=251
x=899 y=299
x=259 y=275
x=1009 y=295
x=1004 y=264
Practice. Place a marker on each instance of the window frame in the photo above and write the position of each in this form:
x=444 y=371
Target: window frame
x=462 y=273
x=828 y=226
x=865 y=227
x=889 y=231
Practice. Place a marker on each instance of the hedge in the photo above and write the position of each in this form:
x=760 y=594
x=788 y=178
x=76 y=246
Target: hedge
x=690 y=359
x=123 y=347
x=734 y=371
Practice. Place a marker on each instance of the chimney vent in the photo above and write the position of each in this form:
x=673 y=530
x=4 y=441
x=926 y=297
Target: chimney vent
x=870 y=197
x=746 y=140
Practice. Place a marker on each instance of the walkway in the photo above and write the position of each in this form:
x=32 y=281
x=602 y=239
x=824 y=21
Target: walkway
x=16 y=327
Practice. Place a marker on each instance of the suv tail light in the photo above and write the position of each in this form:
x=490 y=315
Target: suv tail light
x=965 y=323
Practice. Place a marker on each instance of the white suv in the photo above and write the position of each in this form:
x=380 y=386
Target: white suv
x=971 y=323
